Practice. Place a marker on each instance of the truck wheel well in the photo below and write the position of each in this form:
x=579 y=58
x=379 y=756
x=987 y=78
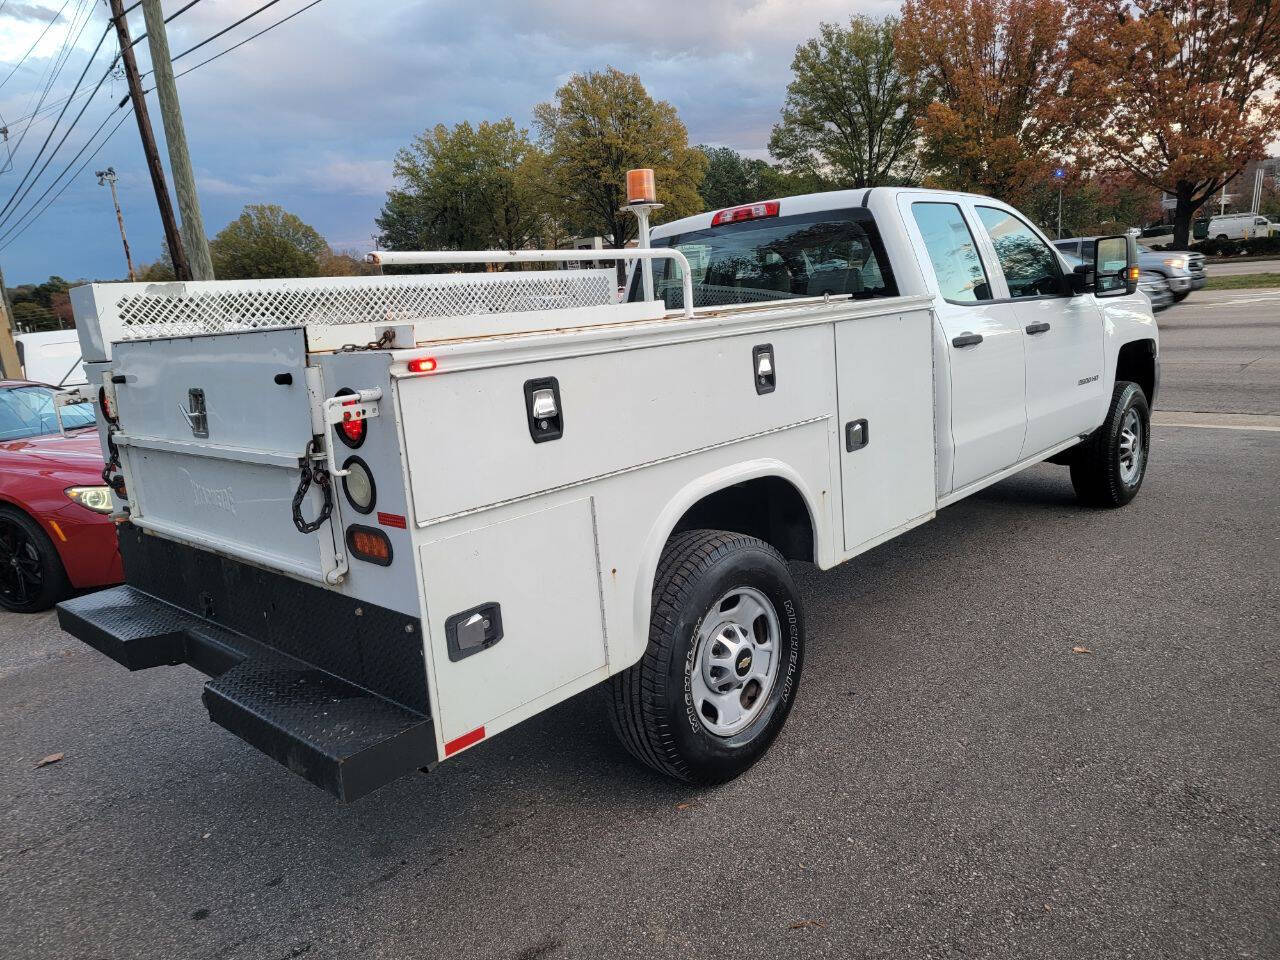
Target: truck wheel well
x=1137 y=363
x=769 y=508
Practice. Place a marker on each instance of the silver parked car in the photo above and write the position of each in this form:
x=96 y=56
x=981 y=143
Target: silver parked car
x=1183 y=269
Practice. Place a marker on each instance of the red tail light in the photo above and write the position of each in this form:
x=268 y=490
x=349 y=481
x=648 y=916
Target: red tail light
x=752 y=211
x=423 y=365
x=351 y=431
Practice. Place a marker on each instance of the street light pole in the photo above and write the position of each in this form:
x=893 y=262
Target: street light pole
x=1060 y=175
x=108 y=176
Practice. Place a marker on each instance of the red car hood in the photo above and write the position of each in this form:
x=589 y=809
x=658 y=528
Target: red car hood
x=78 y=451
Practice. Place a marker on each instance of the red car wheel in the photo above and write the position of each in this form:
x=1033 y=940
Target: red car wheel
x=31 y=575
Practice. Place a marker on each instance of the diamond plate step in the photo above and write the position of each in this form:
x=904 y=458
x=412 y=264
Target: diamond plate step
x=333 y=733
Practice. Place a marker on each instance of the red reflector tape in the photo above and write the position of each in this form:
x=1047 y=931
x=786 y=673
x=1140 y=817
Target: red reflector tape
x=392 y=520
x=464 y=741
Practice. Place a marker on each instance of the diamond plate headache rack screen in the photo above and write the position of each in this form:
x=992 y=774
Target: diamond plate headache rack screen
x=114 y=312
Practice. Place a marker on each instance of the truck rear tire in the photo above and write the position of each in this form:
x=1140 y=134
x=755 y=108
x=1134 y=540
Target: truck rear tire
x=726 y=647
x=1108 y=468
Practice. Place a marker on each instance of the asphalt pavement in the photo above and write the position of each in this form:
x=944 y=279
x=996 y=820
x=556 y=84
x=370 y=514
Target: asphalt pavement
x=1220 y=352
x=1024 y=730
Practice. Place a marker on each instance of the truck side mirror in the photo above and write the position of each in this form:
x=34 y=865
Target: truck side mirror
x=1115 y=266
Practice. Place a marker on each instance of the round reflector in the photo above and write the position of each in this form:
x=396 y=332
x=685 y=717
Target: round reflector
x=358 y=485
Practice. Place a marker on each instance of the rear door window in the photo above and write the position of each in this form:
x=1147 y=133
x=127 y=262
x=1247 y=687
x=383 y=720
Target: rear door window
x=836 y=252
x=954 y=255
x=1029 y=265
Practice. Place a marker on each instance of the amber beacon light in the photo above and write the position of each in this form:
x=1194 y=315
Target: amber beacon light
x=640 y=188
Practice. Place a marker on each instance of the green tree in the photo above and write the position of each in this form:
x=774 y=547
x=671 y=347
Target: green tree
x=30 y=316
x=599 y=126
x=266 y=241
x=850 y=113
x=732 y=179
x=466 y=188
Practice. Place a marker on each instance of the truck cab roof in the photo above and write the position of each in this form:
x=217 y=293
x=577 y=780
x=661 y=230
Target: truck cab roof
x=808 y=203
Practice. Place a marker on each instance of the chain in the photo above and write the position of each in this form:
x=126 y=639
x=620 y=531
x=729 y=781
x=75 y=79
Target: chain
x=110 y=476
x=320 y=477
x=388 y=337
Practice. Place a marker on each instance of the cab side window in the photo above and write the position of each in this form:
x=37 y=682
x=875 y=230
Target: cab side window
x=1029 y=265
x=952 y=251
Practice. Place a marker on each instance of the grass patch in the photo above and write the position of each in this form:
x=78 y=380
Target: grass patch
x=1244 y=281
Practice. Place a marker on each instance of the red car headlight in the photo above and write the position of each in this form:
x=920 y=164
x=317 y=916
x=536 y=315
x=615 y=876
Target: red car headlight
x=97 y=499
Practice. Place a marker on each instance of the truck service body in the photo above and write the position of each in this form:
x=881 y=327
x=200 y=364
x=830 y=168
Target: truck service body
x=393 y=516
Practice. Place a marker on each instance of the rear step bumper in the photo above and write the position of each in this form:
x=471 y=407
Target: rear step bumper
x=331 y=732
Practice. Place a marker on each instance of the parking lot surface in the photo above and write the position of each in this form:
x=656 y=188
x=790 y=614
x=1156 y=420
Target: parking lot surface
x=1024 y=730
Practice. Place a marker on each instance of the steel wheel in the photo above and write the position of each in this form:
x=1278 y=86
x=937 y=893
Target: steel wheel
x=21 y=569
x=1132 y=451
x=735 y=661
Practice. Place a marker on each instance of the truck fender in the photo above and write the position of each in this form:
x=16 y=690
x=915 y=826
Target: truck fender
x=661 y=530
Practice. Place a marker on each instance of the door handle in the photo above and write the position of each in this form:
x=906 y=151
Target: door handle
x=1034 y=328
x=966 y=340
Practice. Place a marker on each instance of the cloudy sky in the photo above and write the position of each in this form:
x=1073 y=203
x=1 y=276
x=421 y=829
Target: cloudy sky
x=310 y=115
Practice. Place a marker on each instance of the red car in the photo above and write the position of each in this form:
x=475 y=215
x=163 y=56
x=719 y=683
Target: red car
x=55 y=533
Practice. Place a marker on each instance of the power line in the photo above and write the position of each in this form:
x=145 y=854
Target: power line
x=55 y=197
x=53 y=104
x=62 y=173
x=244 y=41
x=46 y=29
x=57 y=63
x=52 y=129
x=210 y=39
x=8 y=237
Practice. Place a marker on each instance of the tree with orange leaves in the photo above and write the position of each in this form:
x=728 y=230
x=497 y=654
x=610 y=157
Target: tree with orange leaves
x=1000 y=68
x=1180 y=93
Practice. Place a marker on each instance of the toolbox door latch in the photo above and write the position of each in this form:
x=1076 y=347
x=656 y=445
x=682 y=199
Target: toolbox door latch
x=764 y=368
x=473 y=630
x=545 y=413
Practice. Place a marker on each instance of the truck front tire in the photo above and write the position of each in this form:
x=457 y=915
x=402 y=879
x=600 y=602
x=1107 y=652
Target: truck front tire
x=726 y=647
x=1108 y=468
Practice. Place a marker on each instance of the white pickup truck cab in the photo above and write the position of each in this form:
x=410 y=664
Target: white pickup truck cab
x=393 y=516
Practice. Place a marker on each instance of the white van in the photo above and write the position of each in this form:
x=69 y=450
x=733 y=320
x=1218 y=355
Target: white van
x=51 y=356
x=1242 y=226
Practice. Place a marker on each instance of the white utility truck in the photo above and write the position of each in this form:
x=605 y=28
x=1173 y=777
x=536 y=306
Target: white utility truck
x=393 y=516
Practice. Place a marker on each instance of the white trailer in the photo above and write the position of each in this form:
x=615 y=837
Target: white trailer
x=393 y=516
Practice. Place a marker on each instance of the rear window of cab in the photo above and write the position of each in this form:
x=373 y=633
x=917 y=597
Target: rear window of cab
x=836 y=252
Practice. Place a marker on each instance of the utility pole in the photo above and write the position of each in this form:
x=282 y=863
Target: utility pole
x=181 y=269
x=109 y=176
x=8 y=349
x=175 y=136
